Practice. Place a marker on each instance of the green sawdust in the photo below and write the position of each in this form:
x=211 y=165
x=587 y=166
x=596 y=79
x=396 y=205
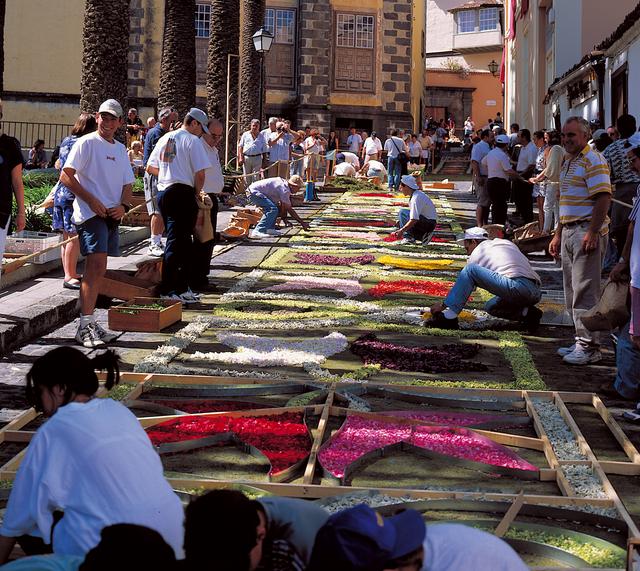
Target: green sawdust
x=119 y=392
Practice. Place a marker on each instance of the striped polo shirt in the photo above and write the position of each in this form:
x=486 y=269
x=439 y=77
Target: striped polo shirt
x=582 y=178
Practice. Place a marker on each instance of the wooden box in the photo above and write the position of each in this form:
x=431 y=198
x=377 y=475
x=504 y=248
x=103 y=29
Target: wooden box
x=120 y=284
x=140 y=217
x=134 y=316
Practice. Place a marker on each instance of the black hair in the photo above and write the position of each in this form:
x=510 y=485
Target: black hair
x=220 y=531
x=38 y=143
x=485 y=133
x=525 y=134
x=626 y=125
x=538 y=134
x=602 y=142
x=129 y=547
x=72 y=370
x=515 y=127
x=394 y=132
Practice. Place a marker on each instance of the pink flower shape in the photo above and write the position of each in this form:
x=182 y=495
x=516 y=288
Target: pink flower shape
x=326 y=260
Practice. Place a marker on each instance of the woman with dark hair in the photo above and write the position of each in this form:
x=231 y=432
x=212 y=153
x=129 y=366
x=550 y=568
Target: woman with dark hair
x=332 y=150
x=63 y=203
x=549 y=180
x=37 y=156
x=91 y=460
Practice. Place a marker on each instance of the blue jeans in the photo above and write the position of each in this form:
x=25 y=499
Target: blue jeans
x=627 y=381
x=421 y=230
x=394 y=170
x=512 y=294
x=269 y=210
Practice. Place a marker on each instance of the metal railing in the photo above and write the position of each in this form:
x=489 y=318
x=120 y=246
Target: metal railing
x=28 y=133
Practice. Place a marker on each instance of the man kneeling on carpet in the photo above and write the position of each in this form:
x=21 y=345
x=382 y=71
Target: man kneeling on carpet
x=419 y=220
x=502 y=269
x=273 y=195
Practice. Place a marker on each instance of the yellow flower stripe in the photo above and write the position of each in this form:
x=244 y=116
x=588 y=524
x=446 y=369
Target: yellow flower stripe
x=414 y=264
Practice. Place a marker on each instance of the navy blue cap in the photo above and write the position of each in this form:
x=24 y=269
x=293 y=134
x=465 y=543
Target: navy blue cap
x=339 y=158
x=360 y=539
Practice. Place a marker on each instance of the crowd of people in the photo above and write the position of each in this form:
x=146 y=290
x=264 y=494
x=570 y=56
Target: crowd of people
x=79 y=503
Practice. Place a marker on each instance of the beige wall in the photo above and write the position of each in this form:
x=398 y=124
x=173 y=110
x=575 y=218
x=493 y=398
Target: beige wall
x=599 y=22
x=43 y=45
x=417 y=61
x=152 y=42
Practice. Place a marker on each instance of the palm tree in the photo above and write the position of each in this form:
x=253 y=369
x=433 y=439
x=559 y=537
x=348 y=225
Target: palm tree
x=252 y=19
x=178 y=66
x=105 y=48
x=224 y=40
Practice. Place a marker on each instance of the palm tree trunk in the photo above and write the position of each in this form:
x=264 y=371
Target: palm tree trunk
x=3 y=11
x=178 y=66
x=105 y=49
x=252 y=19
x=224 y=40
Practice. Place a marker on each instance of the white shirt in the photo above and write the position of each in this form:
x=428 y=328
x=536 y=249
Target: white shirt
x=94 y=461
x=344 y=169
x=213 y=177
x=478 y=152
x=352 y=159
x=504 y=258
x=179 y=155
x=102 y=168
x=527 y=157
x=451 y=546
x=275 y=189
x=497 y=163
x=376 y=166
x=251 y=146
x=393 y=146
x=372 y=146
x=415 y=149
x=354 y=142
x=311 y=146
x=279 y=151
x=420 y=205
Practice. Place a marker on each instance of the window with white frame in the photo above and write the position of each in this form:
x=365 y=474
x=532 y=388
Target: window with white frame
x=281 y=58
x=354 y=69
x=203 y=20
x=466 y=21
x=488 y=19
x=355 y=31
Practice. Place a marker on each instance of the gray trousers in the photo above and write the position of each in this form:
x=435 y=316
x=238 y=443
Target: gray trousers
x=581 y=278
x=252 y=165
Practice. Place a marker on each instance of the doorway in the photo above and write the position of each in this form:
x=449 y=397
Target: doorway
x=619 y=93
x=343 y=125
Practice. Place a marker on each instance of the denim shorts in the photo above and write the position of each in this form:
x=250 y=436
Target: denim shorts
x=99 y=236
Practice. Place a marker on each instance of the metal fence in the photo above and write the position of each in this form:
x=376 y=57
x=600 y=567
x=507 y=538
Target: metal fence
x=28 y=133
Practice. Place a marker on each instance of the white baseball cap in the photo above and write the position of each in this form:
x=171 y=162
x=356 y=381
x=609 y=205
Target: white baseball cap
x=201 y=117
x=410 y=181
x=112 y=107
x=503 y=139
x=475 y=233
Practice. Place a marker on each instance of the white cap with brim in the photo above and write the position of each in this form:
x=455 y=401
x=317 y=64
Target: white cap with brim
x=201 y=117
x=410 y=181
x=503 y=139
x=475 y=233
x=112 y=107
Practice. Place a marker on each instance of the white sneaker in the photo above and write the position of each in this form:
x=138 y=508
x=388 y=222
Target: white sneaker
x=156 y=250
x=191 y=294
x=582 y=356
x=407 y=242
x=104 y=335
x=258 y=235
x=88 y=336
x=274 y=232
x=566 y=350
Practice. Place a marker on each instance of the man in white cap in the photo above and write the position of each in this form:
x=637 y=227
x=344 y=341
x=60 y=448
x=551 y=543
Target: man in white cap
x=499 y=171
x=502 y=269
x=179 y=161
x=419 y=220
x=99 y=174
x=272 y=195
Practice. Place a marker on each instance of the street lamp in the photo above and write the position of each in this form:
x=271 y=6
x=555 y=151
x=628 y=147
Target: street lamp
x=493 y=67
x=262 y=41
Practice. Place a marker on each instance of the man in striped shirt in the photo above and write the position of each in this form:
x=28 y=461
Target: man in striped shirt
x=580 y=240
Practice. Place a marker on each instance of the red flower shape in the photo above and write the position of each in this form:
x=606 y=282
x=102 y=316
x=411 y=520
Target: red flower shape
x=433 y=289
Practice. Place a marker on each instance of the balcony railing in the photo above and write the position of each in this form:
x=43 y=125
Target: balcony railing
x=29 y=133
x=477 y=41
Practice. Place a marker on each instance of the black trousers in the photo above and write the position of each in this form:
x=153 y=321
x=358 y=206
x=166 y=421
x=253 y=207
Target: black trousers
x=522 y=196
x=422 y=228
x=202 y=251
x=498 y=189
x=179 y=211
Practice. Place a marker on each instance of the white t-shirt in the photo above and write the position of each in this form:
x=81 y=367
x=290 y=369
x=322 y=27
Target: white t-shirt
x=179 y=155
x=497 y=163
x=352 y=159
x=94 y=461
x=420 y=205
x=311 y=146
x=451 y=546
x=478 y=152
x=102 y=168
x=376 y=166
x=354 y=142
x=393 y=146
x=372 y=146
x=275 y=189
x=528 y=156
x=504 y=258
x=344 y=169
x=213 y=177
x=415 y=149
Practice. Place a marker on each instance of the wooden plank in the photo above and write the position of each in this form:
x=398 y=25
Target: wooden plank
x=511 y=514
x=19 y=436
x=17 y=423
x=630 y=450
x=620 y=468
x=322 y=426
x=11 y=467
x=137 y=391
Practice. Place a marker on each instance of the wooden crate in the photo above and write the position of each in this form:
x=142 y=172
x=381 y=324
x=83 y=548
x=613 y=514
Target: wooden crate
x=151 y=319
x=122 y=285
x=140 y=217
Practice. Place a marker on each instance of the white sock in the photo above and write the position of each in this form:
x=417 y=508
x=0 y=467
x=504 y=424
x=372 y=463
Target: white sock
x=156 y=238
x=86 y=319
x=525 y=311
x=449 y=314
